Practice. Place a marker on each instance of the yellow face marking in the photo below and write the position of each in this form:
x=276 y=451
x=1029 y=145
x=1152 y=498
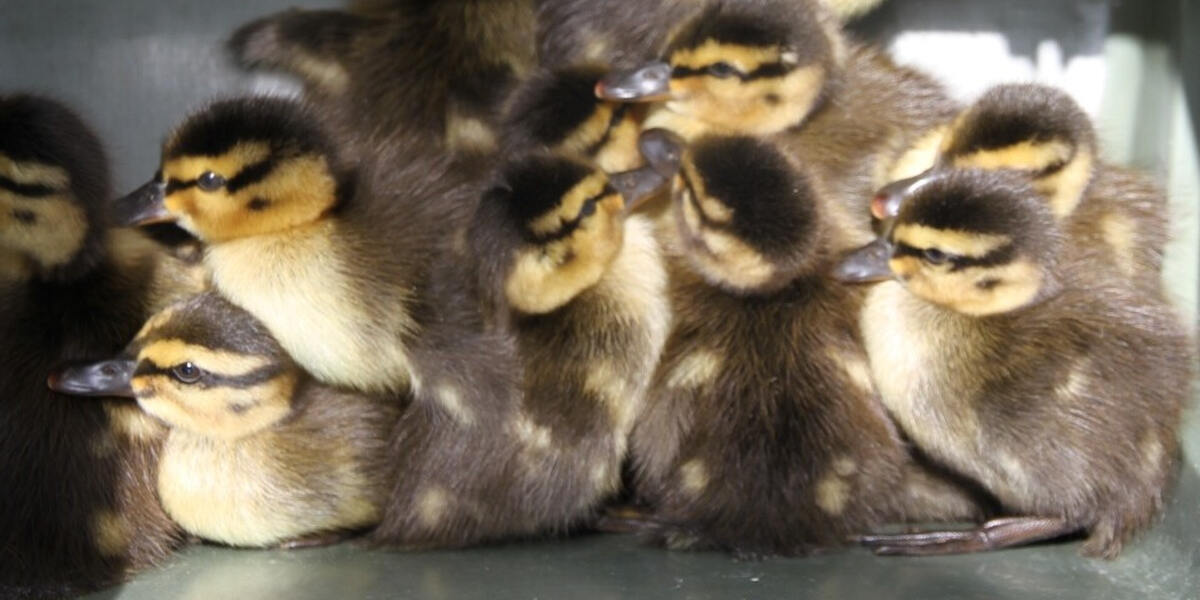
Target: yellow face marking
x=590 y=131
x=170 y=352
x=744 y=58
x=545 y=277
x=55 y=235
x=1019 y=283
x=568 y=208
x=714 y=209
x=35 y=173
x=1065 y=188
x=757 y=107
x=918 y=158
x=953 y=241
x=1026 y=155
x=730 y=262
x=133 y=424
x=693 y=475
x=208 y=412
x=298 y=191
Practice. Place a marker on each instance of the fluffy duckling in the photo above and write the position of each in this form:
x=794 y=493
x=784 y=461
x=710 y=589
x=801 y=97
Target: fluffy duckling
x=379 y=68
x=78 y=512
x=296 y=236
x=581 y=283
x=571 y=32
x=1010 y=359
x=556 y=111
x=783 y=68
x=1041 y=132
x=257 y=453
x=762 y=433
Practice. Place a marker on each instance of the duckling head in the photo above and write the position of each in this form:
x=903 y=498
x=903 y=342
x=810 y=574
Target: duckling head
x=975 y=241
x=570 y=223
x=557 y=111
x=53 y=185
x=202 y=365
x=242 y=168
x=741 y=68
x=748 y=218
x=1036 y=129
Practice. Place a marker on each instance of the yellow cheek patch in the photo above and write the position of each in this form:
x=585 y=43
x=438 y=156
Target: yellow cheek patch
x=170 y=352
x=1065 y=188
x=620 y=152
x=570 y=205
x=296 y=192
x=731 y=262
x=34 y=173
x=545 y=278
x=1019 y=282
x=54 y=237
x=590 y=131
x=952 y=241
x=758 y=107
x=714 y=210
x=207 y=411
x=745 y=58
x=917 y=158
x=1027 y=155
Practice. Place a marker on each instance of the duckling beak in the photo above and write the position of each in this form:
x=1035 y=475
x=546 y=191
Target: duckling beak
x=104 y=378
x=646 y=84
x=866 y=264
x=637 y=186
x=142 y=206
x=662 y=150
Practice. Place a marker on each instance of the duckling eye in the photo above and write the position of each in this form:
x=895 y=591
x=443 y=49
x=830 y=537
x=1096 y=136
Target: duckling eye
x=26 y=217
x=721 y=70
x=588 y=209
x=186 y=372
x=210 y=181
x=934 y=256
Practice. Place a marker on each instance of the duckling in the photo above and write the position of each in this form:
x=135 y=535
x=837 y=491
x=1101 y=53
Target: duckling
x=296 y=236
x=557 y=111
x=1007 y=357
x=78 y=513
x=581 y=283
x=257 y=453
x=571 y=32
x=782 y=68
x=379 y=69
x=368 y=281
x=762 y=433
x=1040 y=131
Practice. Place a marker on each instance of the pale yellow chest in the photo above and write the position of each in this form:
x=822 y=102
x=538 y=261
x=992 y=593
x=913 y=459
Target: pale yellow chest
x=910 y=362
x=315 y=303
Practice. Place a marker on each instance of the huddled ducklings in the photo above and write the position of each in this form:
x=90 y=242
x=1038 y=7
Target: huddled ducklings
x=782 y=68
x=383 y=68
x=296 y=235
x=77 y=512
x=1010 y=357
x=1041 y=132
x=257 y=453
x=762 y=432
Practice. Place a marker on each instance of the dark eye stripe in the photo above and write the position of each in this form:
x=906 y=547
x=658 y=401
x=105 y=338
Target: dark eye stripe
x=775 y=69
x=250 y=175
x=999 y=256
x=208 y=379
x=29 y=190
x=175 y=185
x=570 y=226
x=618 y=113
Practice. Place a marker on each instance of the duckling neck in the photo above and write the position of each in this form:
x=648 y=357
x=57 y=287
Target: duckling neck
x=14 y=268
x=328 y=310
